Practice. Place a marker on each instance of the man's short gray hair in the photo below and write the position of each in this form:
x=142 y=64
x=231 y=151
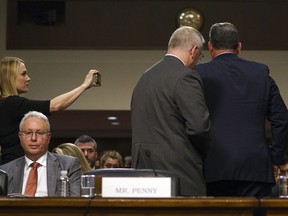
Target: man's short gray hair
x=185 y=38
x=37 y=115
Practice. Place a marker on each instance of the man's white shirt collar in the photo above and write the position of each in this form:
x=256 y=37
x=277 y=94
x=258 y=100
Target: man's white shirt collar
x=42 y=161
x=175 y=57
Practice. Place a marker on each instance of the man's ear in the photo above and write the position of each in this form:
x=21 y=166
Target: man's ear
x=192 y=52
x=238 y=48
x=210 y=47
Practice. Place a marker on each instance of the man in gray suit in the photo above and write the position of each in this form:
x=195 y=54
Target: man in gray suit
x=35 y=137
x=170 y=119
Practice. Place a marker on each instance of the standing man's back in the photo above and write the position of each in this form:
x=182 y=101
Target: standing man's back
x=170 y=120
x=240 y=95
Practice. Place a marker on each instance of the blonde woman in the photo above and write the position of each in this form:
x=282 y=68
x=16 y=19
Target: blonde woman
x=73 y=150
x=111 y=159
x=14 y=81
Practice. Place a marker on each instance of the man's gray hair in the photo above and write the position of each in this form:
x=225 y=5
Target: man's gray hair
x=185 y=38
x=84 y=139
x=37 y=115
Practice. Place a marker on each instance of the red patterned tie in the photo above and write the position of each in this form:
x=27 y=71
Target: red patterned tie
x=31 y=185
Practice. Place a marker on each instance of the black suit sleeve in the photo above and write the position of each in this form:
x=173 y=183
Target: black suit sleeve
x=278 y=116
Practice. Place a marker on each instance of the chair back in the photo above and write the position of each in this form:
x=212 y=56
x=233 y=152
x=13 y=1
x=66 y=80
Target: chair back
x=3 y=183
x=130 y=172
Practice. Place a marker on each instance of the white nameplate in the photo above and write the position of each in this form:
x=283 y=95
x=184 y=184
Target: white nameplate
x=141 y=187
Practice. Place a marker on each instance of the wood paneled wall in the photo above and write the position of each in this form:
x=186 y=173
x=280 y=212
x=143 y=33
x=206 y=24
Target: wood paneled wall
x=138 y=24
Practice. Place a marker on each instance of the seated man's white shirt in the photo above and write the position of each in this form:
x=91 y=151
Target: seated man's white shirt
x=42 y=190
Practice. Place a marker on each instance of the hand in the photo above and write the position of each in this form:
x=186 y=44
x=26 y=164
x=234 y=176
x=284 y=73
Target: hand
x=88 y=82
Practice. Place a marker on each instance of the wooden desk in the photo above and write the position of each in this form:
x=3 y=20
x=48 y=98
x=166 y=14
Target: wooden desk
x=127 y=207
x=275 y=206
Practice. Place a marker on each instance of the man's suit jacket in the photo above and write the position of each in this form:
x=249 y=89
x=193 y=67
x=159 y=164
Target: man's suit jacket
x=170 y=124
x=55 y=163
x=240 y=95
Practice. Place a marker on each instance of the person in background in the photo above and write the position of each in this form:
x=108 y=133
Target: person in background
x=14 y=81
x=97 y=164
x=127 y=161
x=89 y=148
x=73 y=150
x=240 y=96
x=170 y=119
x=111 y=159
x=281 y=170
x=35 y=136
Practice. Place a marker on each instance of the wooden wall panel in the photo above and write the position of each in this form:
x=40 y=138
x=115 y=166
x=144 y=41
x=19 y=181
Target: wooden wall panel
x=145 y=24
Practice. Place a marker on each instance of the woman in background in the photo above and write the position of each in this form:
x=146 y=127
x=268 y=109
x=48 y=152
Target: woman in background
x=73 y=150
x=14 y=81
x=111 y=159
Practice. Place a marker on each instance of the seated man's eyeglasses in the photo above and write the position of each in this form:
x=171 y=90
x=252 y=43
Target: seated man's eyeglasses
x=29 y=134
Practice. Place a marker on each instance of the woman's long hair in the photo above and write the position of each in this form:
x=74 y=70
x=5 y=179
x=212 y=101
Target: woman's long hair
x=73 y=150
x=9 y=67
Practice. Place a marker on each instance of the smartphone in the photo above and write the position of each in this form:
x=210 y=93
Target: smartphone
x=98 y=79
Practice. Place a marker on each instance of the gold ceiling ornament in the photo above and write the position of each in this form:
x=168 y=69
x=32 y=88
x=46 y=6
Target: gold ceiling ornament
x=190 y=17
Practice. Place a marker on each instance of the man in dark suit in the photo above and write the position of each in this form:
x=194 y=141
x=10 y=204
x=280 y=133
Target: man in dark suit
x=170 y=119
x=35 y=137
x=240 y=95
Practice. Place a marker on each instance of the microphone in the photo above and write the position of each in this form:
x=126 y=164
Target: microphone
x=148 y=154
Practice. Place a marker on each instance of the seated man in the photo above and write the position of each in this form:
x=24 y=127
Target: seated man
x=35 y=136
x=111 y=159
